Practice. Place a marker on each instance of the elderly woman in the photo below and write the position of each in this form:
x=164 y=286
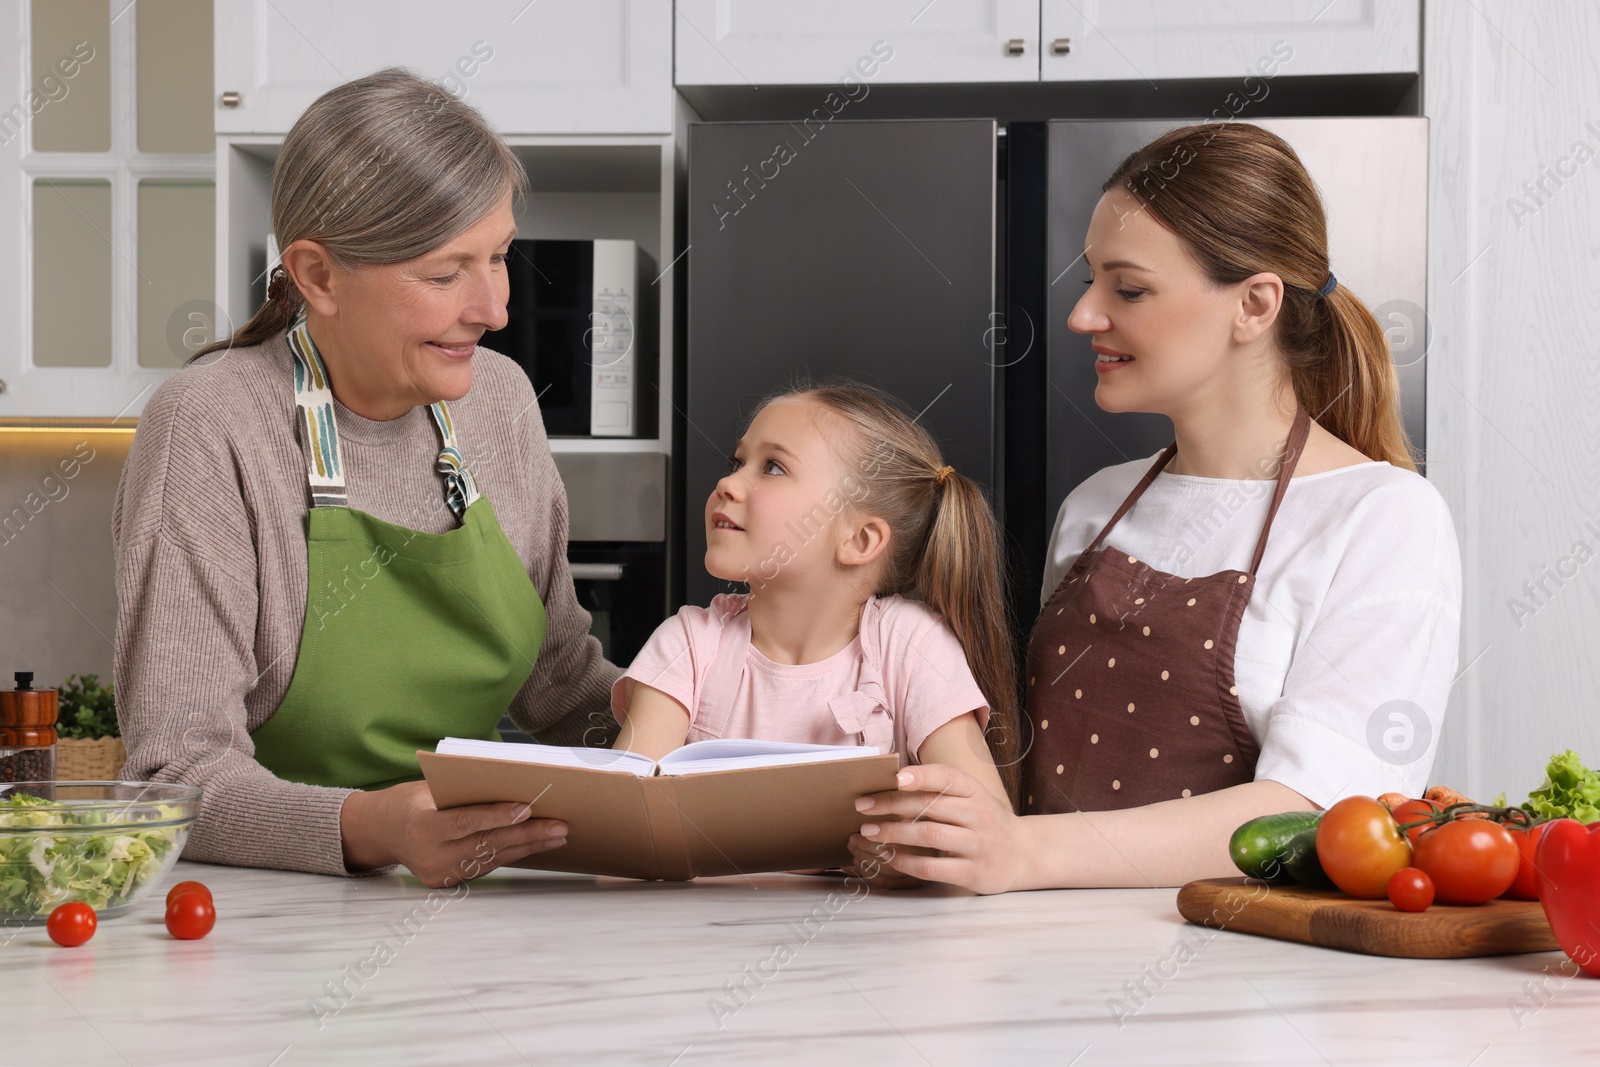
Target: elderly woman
x=340 y=535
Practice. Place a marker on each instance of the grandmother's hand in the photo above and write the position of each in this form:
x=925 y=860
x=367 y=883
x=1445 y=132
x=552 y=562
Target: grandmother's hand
x=400 y=824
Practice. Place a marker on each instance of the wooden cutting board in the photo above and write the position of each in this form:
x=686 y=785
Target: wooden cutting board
x=1328 y=918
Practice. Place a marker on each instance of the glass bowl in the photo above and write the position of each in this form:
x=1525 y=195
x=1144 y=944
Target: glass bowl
x=103 y=843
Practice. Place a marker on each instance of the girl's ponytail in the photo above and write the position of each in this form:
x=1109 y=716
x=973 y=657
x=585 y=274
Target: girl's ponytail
x=959 y=575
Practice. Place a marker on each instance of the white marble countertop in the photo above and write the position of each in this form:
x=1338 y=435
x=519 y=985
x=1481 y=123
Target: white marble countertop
x=525 y=968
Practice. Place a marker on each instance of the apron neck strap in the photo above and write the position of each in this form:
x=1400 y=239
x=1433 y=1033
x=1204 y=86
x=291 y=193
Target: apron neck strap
x=313 y=398
x=1298 y=433
x=1133 y=498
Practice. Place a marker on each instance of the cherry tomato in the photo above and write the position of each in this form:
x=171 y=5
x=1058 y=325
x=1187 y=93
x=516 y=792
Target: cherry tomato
x=187 y=887
x=1526 y=885
x=1470 y=860
x=1410 y=889
x=1360 y=847
x=191 y=916
x=1411 y=811
x=71 y=924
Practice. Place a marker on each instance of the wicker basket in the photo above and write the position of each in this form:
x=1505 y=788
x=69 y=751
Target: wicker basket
x=97 y=760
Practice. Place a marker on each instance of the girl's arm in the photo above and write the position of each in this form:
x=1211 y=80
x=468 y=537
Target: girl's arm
x=656 y=723
x=988 y=849
x=959 y=744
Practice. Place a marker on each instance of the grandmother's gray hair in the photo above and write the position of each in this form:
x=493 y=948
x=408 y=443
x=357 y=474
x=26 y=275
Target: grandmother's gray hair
x=381 y=169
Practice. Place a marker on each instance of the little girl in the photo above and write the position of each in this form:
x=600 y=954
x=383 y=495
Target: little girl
x=874 y=615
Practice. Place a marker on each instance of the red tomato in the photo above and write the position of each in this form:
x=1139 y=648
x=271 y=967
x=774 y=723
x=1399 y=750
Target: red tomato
x=1469 y=860
x=1526 y=886
x=1410 y=889
x=71 y=924
x=191 y=916
x=1411 y=811
x=187 y=887
x=1360 y=847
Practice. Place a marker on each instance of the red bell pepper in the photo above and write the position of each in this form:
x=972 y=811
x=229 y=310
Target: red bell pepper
x=1569 y=889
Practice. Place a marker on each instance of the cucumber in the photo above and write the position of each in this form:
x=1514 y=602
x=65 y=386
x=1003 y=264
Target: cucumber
x=1265 y=848
x=1302 y=863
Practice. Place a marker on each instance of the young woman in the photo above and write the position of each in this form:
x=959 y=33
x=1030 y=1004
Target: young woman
x=1282 y=652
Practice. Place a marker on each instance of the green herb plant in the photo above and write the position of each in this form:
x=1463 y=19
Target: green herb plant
x=87 y=710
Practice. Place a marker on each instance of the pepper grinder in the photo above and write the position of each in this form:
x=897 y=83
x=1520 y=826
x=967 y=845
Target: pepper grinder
x=28 y=732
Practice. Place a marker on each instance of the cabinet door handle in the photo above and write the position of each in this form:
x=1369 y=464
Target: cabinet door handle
x=1061 y=45
x=230 y=98
x=1016 y=46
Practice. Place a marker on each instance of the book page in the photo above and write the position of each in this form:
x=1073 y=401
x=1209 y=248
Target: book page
x=730 y=753
x=596 y=759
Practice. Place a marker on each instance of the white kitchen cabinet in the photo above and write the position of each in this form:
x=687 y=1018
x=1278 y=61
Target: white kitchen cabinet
x=1157 y=40
x=758 y=42
x=531 y=66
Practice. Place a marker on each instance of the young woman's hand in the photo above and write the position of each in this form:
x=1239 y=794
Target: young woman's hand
x=958 y=831
x=401 y=825
x=872 y=865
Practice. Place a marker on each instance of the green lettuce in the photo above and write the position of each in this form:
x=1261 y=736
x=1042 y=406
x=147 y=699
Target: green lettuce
x=104 y=868
x=1570 y=791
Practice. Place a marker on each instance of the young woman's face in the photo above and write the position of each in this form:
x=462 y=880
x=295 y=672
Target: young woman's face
x=777 y=508
x=1148 y=299
x=414 y=325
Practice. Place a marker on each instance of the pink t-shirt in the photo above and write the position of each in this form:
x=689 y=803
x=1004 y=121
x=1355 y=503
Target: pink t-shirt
x=901 y=678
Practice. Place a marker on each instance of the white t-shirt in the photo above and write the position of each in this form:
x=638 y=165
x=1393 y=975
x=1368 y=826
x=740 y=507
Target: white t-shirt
x=1357 y=604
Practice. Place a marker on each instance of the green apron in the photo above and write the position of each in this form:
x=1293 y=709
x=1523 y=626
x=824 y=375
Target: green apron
x=409 y=636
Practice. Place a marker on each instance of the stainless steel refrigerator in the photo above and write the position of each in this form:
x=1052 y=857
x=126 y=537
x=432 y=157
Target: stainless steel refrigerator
x=939 y=259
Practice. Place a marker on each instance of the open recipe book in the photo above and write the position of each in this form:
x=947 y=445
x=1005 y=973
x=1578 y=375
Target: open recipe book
x=716 y=807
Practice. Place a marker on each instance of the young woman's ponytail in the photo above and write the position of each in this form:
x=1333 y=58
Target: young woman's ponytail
x=1242 y=203
x=1346 y=373
x=944 y=548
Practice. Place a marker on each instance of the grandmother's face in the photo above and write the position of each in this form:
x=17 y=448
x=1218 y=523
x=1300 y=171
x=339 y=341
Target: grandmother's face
x=414 y=326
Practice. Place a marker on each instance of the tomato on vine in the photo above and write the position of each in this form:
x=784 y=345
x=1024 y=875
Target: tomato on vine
x=1414 y=811
x=1470 y=860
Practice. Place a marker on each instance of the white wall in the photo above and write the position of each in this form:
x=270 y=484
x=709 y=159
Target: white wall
x=1510 y=87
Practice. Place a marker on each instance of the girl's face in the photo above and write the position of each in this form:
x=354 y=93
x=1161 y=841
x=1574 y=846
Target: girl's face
x=1148 y=299
x=778 y=508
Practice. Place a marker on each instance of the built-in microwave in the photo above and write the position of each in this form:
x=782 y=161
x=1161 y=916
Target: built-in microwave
x=581 y=322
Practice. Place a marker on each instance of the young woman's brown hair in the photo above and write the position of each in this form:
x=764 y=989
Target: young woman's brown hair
x=1241 y=200
x=944 y=545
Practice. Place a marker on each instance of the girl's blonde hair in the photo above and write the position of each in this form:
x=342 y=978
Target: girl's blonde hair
x=944 y=545
x=1242 y=203
x=382 y=169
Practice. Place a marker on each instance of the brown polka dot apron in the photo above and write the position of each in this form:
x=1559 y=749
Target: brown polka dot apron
x=1131 y=692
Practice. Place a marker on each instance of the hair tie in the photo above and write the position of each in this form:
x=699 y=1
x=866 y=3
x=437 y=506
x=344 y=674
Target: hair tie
x=940 y=474
x=1327 y=286
x=280 y=290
